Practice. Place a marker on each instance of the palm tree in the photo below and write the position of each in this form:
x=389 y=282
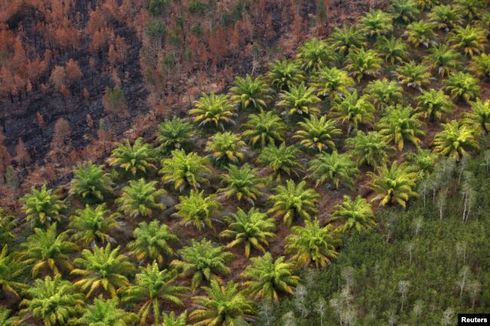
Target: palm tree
x=152 y=241
x=171 y=319
x=185 y=170
x=252 y=228
x=212 y=109
x=470 y=39
x=469 y=8
x=332 y=82
x=6 y=319
x=203 y=261
x=334 y=168
x=153 y=287
x=102 y=270
x=136 y=159
x=225 y=147
x=175 y=133
x=413 y=75
x=93 y=225
x=346 y=37
x=376 y=23
x=362 y=62
x=293 y=201
x=427 y=4
x=384 y=92
x=312 y=244
x=198 y=209
x=455 y=140
x=280 y=159
x=444 y=17
x=242 y=183
x=393 y=50
x=317 y=133
x=462 y=85
x=404 y=11
x=353 y=110
x=10 y=271
x=299 y=100
x=8 y=223
x=47 y=252
x=90 y=183
x=479 y=115
x=42 y=206
x=264 y=128
x=443 y=60
x=400 y=124
x=250 y=93
x=369 y=148
x=52 y=301
x=357 y=214
x=421 y=33
x=106 y=312
x=224 y=305
x=140 y=197
x=424 y=160
x=314 y=54
x=393 y=184
x=433 y=104
x=284 y=74
x=480 y=66
x=266 y=278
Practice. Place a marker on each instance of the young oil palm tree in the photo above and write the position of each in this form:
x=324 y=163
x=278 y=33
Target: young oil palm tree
x=136 y=159
x=464 y=86
x=443 y=60
x=212 y=109
x=479 y=115
x=185 y=170
x=284 y=74
x=421 y=33
x=404 y=11
x=171 y=319
x=393 y=50
x=312 y=244
x=369 y=148
x=152 y=289
x=315 y=54
x=293 y=201
x=10 y=272
x=52 y=301
x=139 y=198
x=203 y=261
x=266 y=278
x=401 y=124
x=357 y=214
x=337 y=169
x=242 y=183
x=106 y=312
x=47 y=252
x=384 y=92
x=317 y=133
x=424 y=160
x=223 y=305
x=413 y=75
x=198 y=209
x=42 y=206
x=469 y=8
x=445 y=17
x=346 y=37
x=252 y=228
x=433 y=104
x=264 y=128
x=225 y=147
x=332 y=82
x=362 y=62
x=280 y=159
x=102 y=270
x=8 y=222
x=299 y=100
x=455 y=140
x=376 y=23
x=93 y=225
x=152 y=242
x=480 y=66
x=90 y=183
x=353 y=110
x=250 y=93
x=470 y=39
x=175 y=133
x=427 y=4
x=394 y=184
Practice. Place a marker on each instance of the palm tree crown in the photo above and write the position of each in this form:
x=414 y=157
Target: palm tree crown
x=285 y=74
x=369 y=148
x=250 y=93
x=333 y=167
x=357 y=213
x=299 y=100
x=455 y=140
x=152 y=241
x=41 y=206
x=90 y=183
x=212 y=109
x=92 y=225
x=198 y=209
x=314 y=54
x=242 y=183
x=140 y=197
x=185 y=170
x=480 y=115
x=318 y=133
x=400 y=124
x=175 y=134
x=138 y=158
x=264 y=128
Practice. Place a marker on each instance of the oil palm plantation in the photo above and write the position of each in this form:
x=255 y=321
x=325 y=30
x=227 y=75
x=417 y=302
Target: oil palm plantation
x=185 y=170
x=242 y=183
x=106 y=312
x=464 y=86
x=318 y=134
x=175 y=133
x=285 y=74
x=90 y=183
x=393 y=50
x=404 y=11
x=101 y=271
x=434 y=104
x=401 y=124
x=314 y=54
x=267 y=278
x=413 y=75
x=369 y=148
x=42 y=206
x=480 y=66
x=332 y=82
x=356 y=213
x=253 y=229
x=214 y=110
x=280 y=159
x=312 y=244
x=346 y=37
x=292 y=201
x=153 y=288
x=421 y=33
x=139 y=198
x=443 y=60
x=264 y=128
x=153 y=241
x=469 y=39
x=362 y=63
x=384 y=92
x=455 y=140
x=445 y=17
x=203 y=262
x=137 y=159
x=376 y=23
x=250 y=93
x=225 y=147
x=93 y=225
x=336 y=168
x=479 y=115
x=198 y=209
x=299 y=100
x=353 y=110
x=10 y=272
